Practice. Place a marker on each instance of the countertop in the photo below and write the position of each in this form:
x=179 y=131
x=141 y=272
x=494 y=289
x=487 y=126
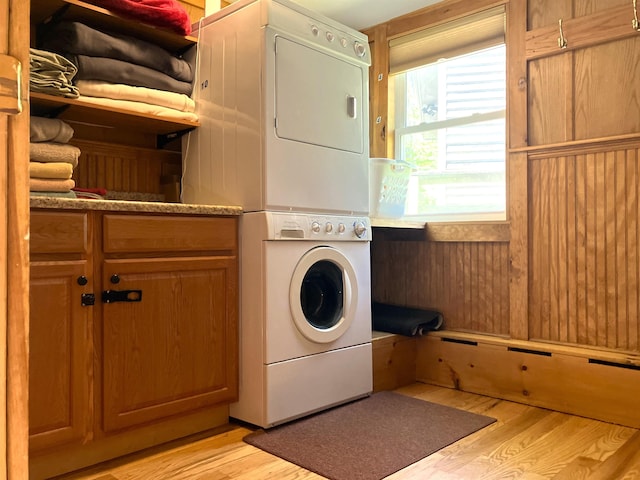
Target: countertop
x=133 y=206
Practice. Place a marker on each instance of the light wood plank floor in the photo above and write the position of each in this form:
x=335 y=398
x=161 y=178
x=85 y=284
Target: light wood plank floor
x=525 y=443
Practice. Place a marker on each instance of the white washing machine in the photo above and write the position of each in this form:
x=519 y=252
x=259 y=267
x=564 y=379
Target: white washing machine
x=282 y=96
x=305 y=316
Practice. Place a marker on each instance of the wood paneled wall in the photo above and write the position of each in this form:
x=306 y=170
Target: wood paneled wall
x=123 y=168
x=467 y=281
x=584 y=248
x=569 y=272
x=586 y=94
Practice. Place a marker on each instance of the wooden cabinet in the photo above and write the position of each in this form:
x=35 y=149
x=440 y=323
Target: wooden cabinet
x=60 y=369
x=168 y=346
x=159 y=344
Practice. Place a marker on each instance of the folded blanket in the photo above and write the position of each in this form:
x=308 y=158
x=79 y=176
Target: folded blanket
x=80 y=39
x=51 y=73
x=141 y=107
x=49 y=130
x=58 y=170
x=117 y=71
x=160 y=13
x=54 y=152
x=50 y=185
x=116 y=91
x=404 y=320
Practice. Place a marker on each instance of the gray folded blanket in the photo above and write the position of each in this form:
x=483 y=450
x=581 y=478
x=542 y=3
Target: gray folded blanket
x=117 y=71
x=80 y=39
x=49 y=130
x=404 y=320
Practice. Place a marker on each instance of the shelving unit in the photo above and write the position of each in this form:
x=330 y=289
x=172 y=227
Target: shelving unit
x=75 y=109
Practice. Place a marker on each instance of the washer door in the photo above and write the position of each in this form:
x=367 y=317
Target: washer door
x=323 y=294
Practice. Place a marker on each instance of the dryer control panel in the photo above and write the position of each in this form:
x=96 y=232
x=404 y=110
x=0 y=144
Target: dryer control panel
x=302 y=226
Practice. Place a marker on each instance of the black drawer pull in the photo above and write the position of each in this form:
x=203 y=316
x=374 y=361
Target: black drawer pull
x=111 y=296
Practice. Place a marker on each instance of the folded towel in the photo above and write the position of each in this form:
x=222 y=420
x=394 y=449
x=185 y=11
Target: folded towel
x=50 y=130
x=117 y=71
x=80 y=39
x=58 y=170
x=50 y=185
x=116 y=91
x=141 y=107
x=51 y=73
x=404 y=320
x=54 y=152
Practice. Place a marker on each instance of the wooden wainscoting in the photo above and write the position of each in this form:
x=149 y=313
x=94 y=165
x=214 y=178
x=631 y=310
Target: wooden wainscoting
x=584 y=274
x=123 y=168
x=467 y=281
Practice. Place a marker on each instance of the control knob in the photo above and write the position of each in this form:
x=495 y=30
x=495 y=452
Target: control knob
x=341 y=228
x=328 y=227
x=359 y=49
x=315 y=227
x=359 y=229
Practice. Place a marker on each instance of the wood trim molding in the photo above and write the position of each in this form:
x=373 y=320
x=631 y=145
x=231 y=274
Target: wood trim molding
x=601 y=27
x=468 y=232
x=577 y=147
x=579 y=381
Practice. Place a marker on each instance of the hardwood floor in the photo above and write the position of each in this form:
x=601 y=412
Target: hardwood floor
x=525 y=443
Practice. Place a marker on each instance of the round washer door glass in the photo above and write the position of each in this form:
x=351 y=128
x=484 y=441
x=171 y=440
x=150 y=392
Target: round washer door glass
x=323 y=294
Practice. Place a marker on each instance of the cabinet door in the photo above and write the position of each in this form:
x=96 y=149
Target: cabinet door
x=60 y=354
x=175 y=349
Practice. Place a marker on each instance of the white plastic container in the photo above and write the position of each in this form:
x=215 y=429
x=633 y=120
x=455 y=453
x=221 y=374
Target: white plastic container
x=389 y=181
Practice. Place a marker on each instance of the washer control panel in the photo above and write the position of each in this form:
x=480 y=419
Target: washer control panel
x=303 y=226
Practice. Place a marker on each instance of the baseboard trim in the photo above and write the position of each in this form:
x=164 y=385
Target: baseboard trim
x=582 y=381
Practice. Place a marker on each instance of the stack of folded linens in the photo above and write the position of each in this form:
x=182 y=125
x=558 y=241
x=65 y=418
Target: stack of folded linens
x=51 y=158
x=120 y=71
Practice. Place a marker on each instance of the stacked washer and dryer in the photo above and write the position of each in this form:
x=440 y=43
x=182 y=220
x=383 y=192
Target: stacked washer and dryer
x=282 y=96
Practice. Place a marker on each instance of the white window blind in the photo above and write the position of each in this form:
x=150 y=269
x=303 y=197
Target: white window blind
x=474 y=32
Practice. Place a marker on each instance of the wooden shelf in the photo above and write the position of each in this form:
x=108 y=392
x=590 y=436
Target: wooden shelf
x=97 y=17
x=74 y=109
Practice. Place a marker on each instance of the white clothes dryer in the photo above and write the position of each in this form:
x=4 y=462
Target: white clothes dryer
x=305 y=315
x=282 y=97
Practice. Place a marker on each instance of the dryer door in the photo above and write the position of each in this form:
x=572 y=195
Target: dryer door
x=323 y=295
x=318 y=98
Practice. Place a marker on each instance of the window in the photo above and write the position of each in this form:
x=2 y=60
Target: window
x=449 y=91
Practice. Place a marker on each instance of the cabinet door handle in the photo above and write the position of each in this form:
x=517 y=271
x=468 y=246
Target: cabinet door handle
x=87 y=299
x=111 y=296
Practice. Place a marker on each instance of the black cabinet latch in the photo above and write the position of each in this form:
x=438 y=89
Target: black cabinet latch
x=111 y=296
x=87 y=299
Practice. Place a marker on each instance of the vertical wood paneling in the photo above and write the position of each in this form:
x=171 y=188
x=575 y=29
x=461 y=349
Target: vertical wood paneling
x=466 y=281
x=584 y=273
x=121 y=168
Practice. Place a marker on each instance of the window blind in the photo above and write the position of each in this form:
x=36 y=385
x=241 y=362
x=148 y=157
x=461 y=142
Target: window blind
x=474 y=32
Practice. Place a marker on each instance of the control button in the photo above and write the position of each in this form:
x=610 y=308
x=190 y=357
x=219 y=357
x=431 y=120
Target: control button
x=330 y=36
x=341 y=228
x=343 y=42
x=328 y=227
x=315 y=30
x=359 y=49
x=359 y=229
x=315 y=227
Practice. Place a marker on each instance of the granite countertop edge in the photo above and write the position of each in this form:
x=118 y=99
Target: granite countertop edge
x=133 y=206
